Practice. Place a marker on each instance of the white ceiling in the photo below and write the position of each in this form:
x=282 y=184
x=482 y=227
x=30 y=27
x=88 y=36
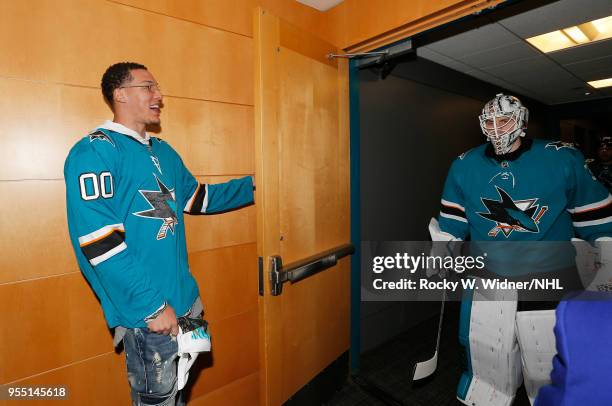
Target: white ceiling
x=321 y=5
x=497 y=53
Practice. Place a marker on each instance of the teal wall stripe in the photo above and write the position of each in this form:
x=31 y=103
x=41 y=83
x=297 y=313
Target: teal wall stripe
x=355 y=217
x=464 y=340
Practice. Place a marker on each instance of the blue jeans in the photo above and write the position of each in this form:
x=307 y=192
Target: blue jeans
x=151 y=365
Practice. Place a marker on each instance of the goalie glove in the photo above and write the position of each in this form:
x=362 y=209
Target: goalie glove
x=438 y=249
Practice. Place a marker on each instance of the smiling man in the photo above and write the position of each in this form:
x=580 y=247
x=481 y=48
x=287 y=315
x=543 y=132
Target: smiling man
x=126 y=194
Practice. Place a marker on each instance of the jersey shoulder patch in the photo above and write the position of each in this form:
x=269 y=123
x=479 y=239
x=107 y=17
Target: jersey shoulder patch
x=558 y=145
x=470 y=151
x=567 y=152
x=95 y=146
x=100 y=136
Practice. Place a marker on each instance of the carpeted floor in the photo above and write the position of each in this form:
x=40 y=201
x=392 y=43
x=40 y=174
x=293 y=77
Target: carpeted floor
x=384 y=377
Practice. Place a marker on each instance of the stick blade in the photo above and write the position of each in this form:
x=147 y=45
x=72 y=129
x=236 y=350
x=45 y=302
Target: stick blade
x=425 y=368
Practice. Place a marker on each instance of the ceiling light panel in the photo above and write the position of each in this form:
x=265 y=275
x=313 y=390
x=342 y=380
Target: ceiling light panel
x=568 y=37
x=598 y=84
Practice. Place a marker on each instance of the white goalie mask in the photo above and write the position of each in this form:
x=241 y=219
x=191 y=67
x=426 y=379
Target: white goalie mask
x=503 y=120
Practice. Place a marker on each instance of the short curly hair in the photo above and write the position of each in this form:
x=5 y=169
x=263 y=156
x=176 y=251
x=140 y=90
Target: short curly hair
x=115 y=76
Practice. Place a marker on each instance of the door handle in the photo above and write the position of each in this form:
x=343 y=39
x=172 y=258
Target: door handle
x=304 y=268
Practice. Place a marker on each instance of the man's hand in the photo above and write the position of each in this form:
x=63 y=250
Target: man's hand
x=165 y=323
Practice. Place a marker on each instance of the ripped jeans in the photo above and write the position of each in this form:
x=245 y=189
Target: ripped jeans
x=151 y=364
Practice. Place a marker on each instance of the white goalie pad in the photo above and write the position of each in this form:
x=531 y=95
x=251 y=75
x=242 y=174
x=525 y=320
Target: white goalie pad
x=587 y=260
x=595 y=263
x=535 y=330
x=494 y=351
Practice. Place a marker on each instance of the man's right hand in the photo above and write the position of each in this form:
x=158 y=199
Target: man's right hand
x=165 y=323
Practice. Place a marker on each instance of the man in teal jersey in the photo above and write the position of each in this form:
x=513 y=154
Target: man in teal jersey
x=126 y=194
x=514 y=198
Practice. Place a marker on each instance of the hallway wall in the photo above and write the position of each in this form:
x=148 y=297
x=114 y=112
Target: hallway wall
x=53 y=56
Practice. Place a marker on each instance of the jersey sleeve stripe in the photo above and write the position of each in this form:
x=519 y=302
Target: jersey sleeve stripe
x=205 y=202
x=592 y=214
x=592 y=222
x=108 y=254
x=199 y=200
x=453 y=205
x=452 y=211
x=96 y=251
x=100 y=233
x=592 y=206
x=191 y=200
x=453 y=217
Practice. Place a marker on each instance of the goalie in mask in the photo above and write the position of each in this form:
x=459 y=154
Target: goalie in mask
x=515 y=189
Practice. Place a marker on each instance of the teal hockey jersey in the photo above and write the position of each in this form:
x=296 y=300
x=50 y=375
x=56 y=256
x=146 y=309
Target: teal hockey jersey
x=126 y=197
x=541 y=192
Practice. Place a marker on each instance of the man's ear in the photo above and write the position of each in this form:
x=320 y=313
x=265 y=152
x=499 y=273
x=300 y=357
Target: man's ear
x=119 y=95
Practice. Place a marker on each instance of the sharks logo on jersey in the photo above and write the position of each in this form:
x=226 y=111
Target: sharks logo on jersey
x=560 y=144
x=163 y=207
x=99 y=135
x=512 y=215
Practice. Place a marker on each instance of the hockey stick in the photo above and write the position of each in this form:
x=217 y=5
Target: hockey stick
x=424 y=369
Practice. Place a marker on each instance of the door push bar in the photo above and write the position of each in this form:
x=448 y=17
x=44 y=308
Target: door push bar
x=304 y=268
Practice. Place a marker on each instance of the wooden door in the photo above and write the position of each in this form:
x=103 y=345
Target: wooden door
x=302 y=175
